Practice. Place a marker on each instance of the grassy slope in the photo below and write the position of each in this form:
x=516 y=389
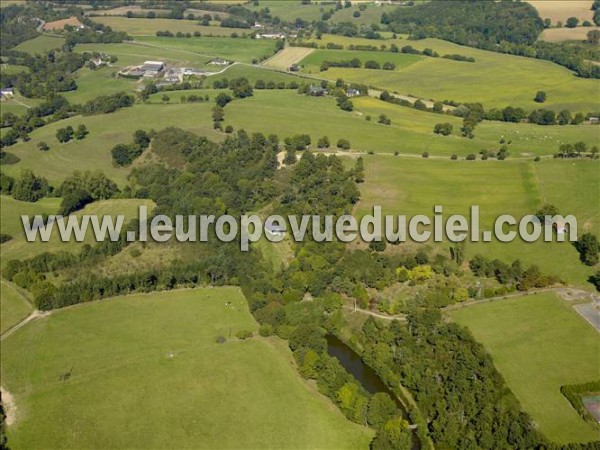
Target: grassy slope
x=495 y=80
x=13 y=306
x=94 y=83
x=401 y=60
x=106 y=131
x=125 y=391
x=291 y=10
x=539 y=344
x=149 y=27
x=413 y=186
x=20 y=248
x=40 y=44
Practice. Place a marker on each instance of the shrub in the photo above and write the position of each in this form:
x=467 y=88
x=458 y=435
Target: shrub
x=344 y=144
x=244 y=334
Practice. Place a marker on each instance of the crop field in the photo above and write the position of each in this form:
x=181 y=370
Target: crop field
x=561 y=10
x=20 y=248
x=149 y=27
x=538 y=343
x=509 y=80
x=159 y=357
x=40 y=44
x=313 y=61
x=566 y=34
x=106 y=131
x=240 y=49
x=288 y=56
x=13 y=306
x=412 y=186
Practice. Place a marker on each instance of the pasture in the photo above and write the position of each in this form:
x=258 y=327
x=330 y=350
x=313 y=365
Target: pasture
x=106 y=130
x=291 y=10
x=509 y=80
x=538 y=343
x=40 y=44
x=561 y=10
x=94 y=83
x=14 y=307
x=149 y=27
x=20 y=248
x=411 y=186
x=156 y=355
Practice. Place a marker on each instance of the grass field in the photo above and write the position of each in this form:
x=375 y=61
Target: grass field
x=106 y=131
x=20 y=248
x=509 y=80
x=371 y=15
x=94 y=83
x=126 y=390
x=538 y=343
x=243 y=50
x=312 y=62
x=13 y=306
x=414 y=186
x=566 y=34
x=149 y=27
x=291 y=10
x=561 y=10
x=40 y=44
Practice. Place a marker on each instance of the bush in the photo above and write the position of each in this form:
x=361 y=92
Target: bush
x=471 y=157
x=244 y=334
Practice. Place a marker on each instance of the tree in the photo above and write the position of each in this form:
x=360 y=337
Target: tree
x=564 y=117
x=29 y=188
x=540 y=97
x=81 y=132
x=393 y=435
x=593 y=37
x=381 y=409
x=42 y=146
x=165 y=98
x=344 y=144
x=74 y=201
x=65 y=134
x=141 y=139
x=445 y=129
x=588 y=249
x=572 y=22
x=323 y=142
x=223 y=99
x=129 y=14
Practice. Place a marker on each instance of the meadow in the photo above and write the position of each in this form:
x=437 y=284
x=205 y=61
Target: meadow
x=106 y=130
x=507 y=79
x=94 y=83
x=20 y=248
x=291 y=10
x=40 y=44
x=561 y=10
x=14 y=307
x=157 y=354
x=539 y=343
x=149 y=27
x=412 y=186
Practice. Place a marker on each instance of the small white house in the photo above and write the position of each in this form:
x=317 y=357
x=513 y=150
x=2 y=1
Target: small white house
x=7 y=93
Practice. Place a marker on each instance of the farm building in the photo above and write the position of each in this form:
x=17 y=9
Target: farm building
x=152 y=68
x=351 y=92
x=7 y=93
x=317 y=91
x=219 y=62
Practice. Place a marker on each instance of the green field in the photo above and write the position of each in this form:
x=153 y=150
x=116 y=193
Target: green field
x=494 y=79
x=312 y=62
x=149 y=27
x=156 y=354
x=40 y=44
x=106 y=131
x=413 y=186
x=291 y=10
x=240 y=49
x=20 y=248
x=13 y=306
x=539 y=343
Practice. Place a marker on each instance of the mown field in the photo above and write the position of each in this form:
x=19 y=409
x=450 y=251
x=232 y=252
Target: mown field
x=149 y=27
x=561 y=10
x=414 y=186
x=13 y=306
x=539 y=343
x=20 y=248
x=291 y=10
x=494 y=79
x=40 y=44
x=566 y=34
x=160 y=359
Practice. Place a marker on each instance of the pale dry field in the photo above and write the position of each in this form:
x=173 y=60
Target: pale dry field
x=288 y=56
x=566 y=34
x=561 y=10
